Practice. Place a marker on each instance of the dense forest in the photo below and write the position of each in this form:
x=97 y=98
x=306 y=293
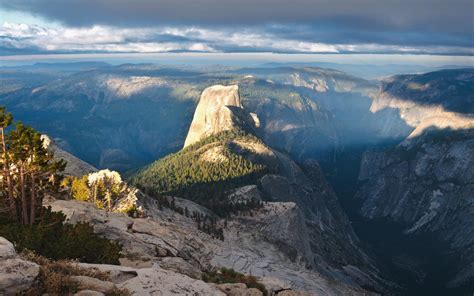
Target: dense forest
x=186 y=174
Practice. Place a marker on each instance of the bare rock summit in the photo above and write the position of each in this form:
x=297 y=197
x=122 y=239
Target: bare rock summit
x=219 y=109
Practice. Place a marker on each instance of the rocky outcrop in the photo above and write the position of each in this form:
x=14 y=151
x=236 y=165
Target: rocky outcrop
x=16 y=274
x=219 y=110
x=156 y=279
x=239 y=289
x=117 y=273
x=89 y=283
x=280 y=223
x=180 y=265
x=244 y=195
x=7 y=250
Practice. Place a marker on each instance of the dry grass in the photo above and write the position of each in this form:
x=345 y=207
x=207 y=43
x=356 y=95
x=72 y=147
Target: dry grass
x=118 y=292
x=227 y=275
x=55 y=277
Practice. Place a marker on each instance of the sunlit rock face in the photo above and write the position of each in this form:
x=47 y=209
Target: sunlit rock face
x=450 y=89
x=442 y=99
x=219 y=110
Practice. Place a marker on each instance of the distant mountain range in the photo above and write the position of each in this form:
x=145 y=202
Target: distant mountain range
x=124 y=116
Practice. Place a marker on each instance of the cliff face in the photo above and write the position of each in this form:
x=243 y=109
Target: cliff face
x=425 y=184
x=214 y=112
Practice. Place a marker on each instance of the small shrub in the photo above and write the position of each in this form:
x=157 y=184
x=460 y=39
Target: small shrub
x=105 y=189
x=117 y=292
x=79 y=189
x=133 y=212
x=53 y=239
x=227 y=275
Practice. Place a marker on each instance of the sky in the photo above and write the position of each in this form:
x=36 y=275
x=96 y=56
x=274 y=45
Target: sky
x=428 y=27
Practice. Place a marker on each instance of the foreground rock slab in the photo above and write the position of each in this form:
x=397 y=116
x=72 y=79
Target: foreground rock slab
x=158 y=281
x=162 y=243
x=16 y=274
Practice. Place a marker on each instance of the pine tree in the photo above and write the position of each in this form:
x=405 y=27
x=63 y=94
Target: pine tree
x=7 y=188
x=28 y=170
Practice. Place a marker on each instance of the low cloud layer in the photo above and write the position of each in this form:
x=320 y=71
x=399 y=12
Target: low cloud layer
x=310 y=26
x=37 y=39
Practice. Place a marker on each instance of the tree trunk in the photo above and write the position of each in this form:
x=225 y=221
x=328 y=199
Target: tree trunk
x=33 y=199
x=13 y=204
x=24 y=200
x=7 y=178
x=108 y=196
x=95 y=193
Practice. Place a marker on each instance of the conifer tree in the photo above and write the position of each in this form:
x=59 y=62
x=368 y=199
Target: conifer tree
x=28 y=170
x=7 y=188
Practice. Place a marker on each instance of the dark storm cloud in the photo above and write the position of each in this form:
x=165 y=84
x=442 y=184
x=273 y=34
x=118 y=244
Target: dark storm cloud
x=328 y=34
x=433 y=15
x=448 y=23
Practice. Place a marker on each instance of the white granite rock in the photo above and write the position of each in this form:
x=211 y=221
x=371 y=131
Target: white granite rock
x=16 y=275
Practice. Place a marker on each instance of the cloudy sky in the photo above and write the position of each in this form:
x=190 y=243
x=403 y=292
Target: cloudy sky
x=444 y=27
